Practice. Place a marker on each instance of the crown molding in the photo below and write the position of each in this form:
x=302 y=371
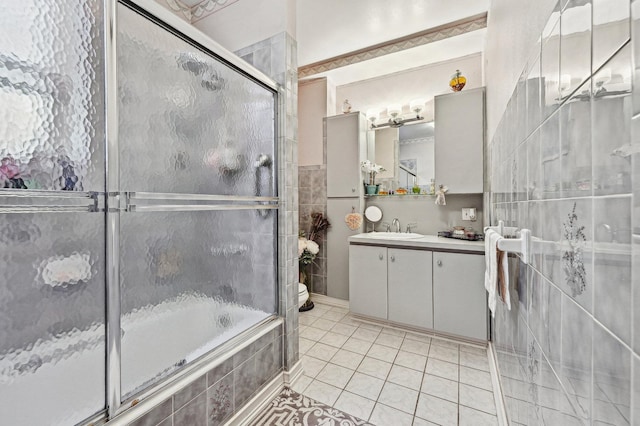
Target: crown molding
x=430 y=35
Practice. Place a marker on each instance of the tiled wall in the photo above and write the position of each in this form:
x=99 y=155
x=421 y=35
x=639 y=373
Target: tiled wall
x=561 y=165
x=312 y=187
x=214 y=397
x=277 y=57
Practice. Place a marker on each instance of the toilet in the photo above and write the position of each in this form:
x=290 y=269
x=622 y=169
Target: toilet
x=303 y=294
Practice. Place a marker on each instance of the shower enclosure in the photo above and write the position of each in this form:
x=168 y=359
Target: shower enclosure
x=138 y=204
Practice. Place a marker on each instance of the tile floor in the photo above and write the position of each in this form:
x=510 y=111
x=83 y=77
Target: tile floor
x=391 y=377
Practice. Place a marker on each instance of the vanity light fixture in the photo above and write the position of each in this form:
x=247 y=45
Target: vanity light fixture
x=394 y=112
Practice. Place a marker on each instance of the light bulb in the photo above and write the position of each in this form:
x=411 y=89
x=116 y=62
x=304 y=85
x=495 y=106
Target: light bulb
x=372 y=114
x=417 y=105
x=394 y=110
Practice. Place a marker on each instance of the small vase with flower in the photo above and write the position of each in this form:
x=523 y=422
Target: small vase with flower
x=371 y=169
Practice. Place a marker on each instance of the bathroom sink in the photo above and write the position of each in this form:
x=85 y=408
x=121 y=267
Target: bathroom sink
x=393 y=235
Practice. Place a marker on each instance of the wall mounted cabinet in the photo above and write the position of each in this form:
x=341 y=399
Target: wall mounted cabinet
x=346 y=144
x=346 y=140
x=459 y=141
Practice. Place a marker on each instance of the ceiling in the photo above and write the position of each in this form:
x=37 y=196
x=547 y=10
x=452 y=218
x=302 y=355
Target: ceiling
x=330 y=30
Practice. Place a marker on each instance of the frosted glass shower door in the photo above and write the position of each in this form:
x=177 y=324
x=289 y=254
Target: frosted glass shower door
x=52 y=226
x=199 y=229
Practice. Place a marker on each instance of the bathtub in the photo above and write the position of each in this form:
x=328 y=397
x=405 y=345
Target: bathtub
x=62 y=381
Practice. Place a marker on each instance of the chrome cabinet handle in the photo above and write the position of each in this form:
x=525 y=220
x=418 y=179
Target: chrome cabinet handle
x=380 y=256
x=353 y=190
x=393 y=258
x=439 y=262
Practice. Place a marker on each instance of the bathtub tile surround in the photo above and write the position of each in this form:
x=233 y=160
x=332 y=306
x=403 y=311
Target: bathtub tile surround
x=390 y=376
x=277 y=57
x=565 y=349
x=212 y=398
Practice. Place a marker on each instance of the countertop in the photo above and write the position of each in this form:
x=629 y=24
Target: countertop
x=426 y=242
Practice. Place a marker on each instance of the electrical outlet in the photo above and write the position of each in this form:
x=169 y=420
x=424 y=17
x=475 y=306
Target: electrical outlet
x=469 y=213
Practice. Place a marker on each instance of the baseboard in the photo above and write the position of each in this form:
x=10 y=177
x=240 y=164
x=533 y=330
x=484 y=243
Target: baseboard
x=321 y=298
x=293 y=373
x=255 y=405
x=455 y=338
x=497 y=388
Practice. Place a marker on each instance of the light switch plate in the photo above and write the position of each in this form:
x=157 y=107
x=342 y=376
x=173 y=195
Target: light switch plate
x=469 y=213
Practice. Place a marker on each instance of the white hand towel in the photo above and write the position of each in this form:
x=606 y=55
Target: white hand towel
x=494 y=286
x=503 y=279
x=491 y=267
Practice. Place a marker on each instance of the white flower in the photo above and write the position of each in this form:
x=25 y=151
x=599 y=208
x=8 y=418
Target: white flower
x=369 y=167
x=312 y=247
x=377 y=168
x=302 y=244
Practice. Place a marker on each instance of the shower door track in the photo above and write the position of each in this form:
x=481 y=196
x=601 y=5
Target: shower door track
x=115 y=201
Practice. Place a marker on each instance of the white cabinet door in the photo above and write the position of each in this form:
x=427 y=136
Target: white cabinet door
x=410 y=287
x=337 y=246
x=343 y=133
x=368 y=281
x=459 y=141
x=460 y=301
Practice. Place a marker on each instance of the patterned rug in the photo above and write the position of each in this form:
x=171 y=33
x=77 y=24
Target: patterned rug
x=292 y=409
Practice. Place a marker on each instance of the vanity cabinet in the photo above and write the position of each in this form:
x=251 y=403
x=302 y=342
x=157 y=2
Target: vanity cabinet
x=409 y=287
x=368 y=281
x=443 y=291
x=458 y=289
x=459 y=141
x=391 y=283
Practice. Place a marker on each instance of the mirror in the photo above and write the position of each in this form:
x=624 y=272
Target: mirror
x=407 y=153
x=373 y=214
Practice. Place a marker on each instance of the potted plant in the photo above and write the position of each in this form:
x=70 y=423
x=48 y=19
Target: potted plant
x=308 y=249
x=371 y=169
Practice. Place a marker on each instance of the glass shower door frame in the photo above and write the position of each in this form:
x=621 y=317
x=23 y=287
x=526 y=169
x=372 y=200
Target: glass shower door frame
x=117 y=202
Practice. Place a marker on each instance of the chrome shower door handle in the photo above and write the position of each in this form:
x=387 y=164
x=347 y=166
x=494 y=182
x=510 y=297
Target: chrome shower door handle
x=263 y=161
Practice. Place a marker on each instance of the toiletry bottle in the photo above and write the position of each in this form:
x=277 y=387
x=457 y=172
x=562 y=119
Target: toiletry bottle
x=432 y=187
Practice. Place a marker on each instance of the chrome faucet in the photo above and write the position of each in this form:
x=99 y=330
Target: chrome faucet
x=396 y=222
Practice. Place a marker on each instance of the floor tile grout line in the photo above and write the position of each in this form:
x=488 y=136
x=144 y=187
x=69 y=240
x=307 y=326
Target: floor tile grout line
x=393 y=363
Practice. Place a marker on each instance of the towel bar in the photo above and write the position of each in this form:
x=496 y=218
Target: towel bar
x=521 y=244
x=505 y=231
